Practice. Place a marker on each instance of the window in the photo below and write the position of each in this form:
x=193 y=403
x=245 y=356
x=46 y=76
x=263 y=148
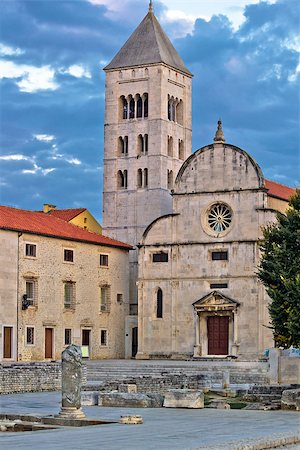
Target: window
x=103 y=338
x=124 y=107
x=69 y=295
x=180 y=149
x=29 y=336
x=219 y=285
x=105 y=298
x=68 y=336
x=219 y=217
x=120 y=298
x=139 y=111
x=139 y=178
x=123 y=146
x=30 y=250
x=159 y=304
x=68 y=255
x=220 y=255
x=145 y=177
x=104 y=260
x=145 y=96
x=170 y=179
x=31 y=292
x=131 y=108
x=160 y=257
x=122 y=179
x=170 y=146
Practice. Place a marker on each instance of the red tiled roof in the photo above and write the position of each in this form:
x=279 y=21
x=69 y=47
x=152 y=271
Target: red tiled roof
x=48 y=225
x=279 y=190
x=66 y=214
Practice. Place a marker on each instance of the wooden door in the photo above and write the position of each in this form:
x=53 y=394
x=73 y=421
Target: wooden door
x=134 y=342
x=86 y=337
x=217 y=332
x=48 y=342
x=7 y=342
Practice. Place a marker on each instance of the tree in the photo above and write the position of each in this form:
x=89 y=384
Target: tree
x=279 y=271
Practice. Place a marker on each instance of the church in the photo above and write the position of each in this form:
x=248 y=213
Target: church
x=194 y=219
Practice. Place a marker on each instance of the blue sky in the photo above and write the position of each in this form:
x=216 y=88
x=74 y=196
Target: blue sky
x=244 y=56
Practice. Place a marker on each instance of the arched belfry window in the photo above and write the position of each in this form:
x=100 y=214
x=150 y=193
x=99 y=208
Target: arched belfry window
x=123 y=107
x=159 y=304
x=139 y=178
x=145 y=96
x=122 y=179
x=123 y=146
x=139 y=107
x=131 y=108
x=170 y=179
x=145 y=177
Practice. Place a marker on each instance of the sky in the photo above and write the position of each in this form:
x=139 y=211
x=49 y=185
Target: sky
x=244 y=55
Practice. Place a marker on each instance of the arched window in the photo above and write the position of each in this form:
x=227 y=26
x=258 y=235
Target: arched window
x=146 y=143
x=159 y=304
x=131 y=108
x=125 y=179
x=145 y=177
x=145 y=105
x=170 y=179
x=123 y=146
x=140 y=144
x=170 y=146
x=179 y=112
x=139 y=178
x=123 y=107
x=139 y=107
x=180 y=149
x=169 y=109
x=122 y=179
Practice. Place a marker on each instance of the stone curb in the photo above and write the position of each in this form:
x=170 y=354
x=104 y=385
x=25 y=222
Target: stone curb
x=271 y=442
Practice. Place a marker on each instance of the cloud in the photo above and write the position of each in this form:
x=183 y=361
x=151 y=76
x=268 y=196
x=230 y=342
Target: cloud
x=6 y=50
x=77 y=71
x=44 y=137
x=14 y=158
x=74 y=161
x=29 y=78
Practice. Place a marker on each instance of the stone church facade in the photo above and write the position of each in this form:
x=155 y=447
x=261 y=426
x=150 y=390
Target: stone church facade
x=193 y=219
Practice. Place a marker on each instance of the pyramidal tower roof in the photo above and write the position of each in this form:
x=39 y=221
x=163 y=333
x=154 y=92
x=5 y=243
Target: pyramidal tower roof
x=148 y=44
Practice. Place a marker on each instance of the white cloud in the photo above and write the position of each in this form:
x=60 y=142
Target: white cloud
x=294 y=76
x=5 y=50
x=30 y=78
x=44 y=137
x=74 y=161
x=16 y=157
x=37 y=169
x=77 y=71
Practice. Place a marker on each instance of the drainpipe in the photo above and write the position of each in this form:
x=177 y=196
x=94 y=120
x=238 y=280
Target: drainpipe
x=18 y=271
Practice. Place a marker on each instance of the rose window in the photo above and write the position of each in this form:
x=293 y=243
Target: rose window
x=219 y=217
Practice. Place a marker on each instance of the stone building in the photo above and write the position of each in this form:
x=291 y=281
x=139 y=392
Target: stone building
x=59 y=284
x=198 y=290
x=148 y=125
x=80 y=217
x=198 y=294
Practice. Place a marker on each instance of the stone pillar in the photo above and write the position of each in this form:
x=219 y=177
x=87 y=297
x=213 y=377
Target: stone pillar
x=197 y=346
x=235 y=345
x=71 y=383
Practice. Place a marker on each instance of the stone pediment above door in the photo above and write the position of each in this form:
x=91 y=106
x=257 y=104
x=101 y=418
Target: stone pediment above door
x=215 y=301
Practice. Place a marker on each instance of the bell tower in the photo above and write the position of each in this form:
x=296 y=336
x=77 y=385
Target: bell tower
x=148 y=122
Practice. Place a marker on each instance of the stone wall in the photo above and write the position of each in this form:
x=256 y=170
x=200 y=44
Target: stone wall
x=284 y=369
x=30 y=377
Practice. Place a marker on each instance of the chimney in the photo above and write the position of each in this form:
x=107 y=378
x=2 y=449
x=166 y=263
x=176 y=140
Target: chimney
x=47 y=207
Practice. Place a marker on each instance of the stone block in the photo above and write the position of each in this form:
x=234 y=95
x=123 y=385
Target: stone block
x=184 y=398
x=89 y=398
x=127 y=388
x=128 y=400
x=291 y=399
x=219 y=404
x=157 y=400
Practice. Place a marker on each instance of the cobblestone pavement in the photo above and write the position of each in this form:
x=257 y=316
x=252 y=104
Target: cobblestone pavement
x=163 y=428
